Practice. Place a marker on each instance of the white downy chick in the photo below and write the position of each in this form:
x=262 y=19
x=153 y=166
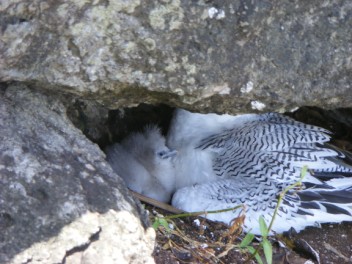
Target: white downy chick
x=145 y=163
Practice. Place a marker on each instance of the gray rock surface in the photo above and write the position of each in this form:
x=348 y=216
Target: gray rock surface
x=233 y=56
x=109 y=238
x=58 y=196
x=59 y=200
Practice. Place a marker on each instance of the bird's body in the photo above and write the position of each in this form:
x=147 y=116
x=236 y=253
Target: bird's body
x=144 y=162
x=194 y=165
x=224 y=161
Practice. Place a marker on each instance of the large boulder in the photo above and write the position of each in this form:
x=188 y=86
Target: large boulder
x=59 y=199
x=234 y=56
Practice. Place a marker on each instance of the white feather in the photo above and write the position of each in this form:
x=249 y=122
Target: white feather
x=227 y=160
x=139 y=160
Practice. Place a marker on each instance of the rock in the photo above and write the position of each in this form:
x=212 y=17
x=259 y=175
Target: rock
x=221 y=56
x=58 y=196
x=95 y=238
x=210 y=56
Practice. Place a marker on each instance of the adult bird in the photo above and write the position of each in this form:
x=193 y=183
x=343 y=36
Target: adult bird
x=224 y=161
x=144 y=162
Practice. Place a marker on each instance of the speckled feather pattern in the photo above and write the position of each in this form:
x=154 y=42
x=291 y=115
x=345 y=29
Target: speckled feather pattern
x=255 y=160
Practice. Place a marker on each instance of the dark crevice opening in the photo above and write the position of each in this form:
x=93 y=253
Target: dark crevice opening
x=104 y=127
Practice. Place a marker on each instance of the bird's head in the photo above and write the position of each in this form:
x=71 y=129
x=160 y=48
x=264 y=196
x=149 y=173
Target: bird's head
x=149 y=147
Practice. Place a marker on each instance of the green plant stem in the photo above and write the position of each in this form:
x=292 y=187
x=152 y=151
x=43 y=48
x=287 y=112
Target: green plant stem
x=283 y=193
x=202 y=212
x=281 y=196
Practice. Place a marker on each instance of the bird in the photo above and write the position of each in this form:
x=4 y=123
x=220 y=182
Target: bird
x=145 y=163
x=224 y=161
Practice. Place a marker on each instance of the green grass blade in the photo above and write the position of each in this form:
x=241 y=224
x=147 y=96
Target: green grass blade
x=253 y=251
x=160 y=222
x=247 y=240
x=164 y=223
x=263 y=227
x=156 y=224
x=268 y=251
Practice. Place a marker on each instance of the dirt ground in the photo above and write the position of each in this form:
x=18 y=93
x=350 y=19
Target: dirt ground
x=197 y=240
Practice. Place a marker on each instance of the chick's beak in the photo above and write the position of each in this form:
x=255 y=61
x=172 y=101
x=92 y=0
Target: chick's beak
x=169 y=154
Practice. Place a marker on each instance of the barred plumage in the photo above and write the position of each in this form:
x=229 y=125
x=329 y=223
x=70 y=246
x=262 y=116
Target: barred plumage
x=249 y=160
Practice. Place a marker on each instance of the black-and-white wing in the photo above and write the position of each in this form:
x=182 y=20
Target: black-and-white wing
x=256 y=160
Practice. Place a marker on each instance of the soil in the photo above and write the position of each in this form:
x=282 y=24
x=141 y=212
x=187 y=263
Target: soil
x=198 y=240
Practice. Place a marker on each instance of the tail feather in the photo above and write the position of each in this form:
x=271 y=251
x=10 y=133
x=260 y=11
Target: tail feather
x=313 y=208
x=332 y=199
x=343 y=158
x=335 y=196
x=325 y=176
x=334 y=209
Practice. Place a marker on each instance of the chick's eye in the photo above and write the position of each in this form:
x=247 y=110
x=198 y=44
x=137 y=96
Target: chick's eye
x=161 y=153
x=166 y=154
